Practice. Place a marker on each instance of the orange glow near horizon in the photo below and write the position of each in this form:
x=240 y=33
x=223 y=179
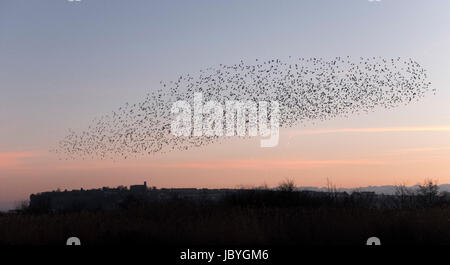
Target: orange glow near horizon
x=349 y=160
x=377 y=130
x=263 y=164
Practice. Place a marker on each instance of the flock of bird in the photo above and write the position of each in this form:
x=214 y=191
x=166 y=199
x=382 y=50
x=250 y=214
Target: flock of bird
x=307 y=89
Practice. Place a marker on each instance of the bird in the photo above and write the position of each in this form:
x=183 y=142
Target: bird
x=308 y=90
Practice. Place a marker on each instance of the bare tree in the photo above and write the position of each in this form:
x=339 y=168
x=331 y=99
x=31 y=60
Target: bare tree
x=404 y=195
x=428 y=191
x=331 y=189
x=402 y=190
x=287 y=185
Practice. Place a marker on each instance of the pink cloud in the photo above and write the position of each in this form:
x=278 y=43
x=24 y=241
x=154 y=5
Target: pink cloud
x=375 y=130
x=13 y=159
x=256 y=164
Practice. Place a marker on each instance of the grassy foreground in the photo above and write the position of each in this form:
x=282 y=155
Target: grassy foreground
x=252 y=219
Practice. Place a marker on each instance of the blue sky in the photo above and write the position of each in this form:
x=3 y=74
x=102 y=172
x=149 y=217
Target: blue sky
x=63 y=63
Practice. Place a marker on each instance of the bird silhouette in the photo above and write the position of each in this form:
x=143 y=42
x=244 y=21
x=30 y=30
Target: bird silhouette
x=307 y=89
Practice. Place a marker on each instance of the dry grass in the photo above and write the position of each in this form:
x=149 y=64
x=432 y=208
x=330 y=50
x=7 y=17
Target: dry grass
x=235 y=221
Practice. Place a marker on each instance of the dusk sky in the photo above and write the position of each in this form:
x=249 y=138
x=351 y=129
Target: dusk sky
x=64 y=63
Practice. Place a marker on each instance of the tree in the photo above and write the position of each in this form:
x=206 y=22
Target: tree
x=428 y=191
x=332 y=190
x=287 y=185
x=404 y=195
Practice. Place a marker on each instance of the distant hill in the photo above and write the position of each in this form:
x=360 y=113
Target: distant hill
x=7 y=205
x=387 y=189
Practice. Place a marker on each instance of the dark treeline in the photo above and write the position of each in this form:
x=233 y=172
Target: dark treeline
x=285 y=195
x=244 y=217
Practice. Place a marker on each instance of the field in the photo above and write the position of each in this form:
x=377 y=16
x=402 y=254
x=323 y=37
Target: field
x=250 y=218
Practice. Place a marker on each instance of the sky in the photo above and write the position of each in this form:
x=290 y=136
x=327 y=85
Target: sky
x=64 y=63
